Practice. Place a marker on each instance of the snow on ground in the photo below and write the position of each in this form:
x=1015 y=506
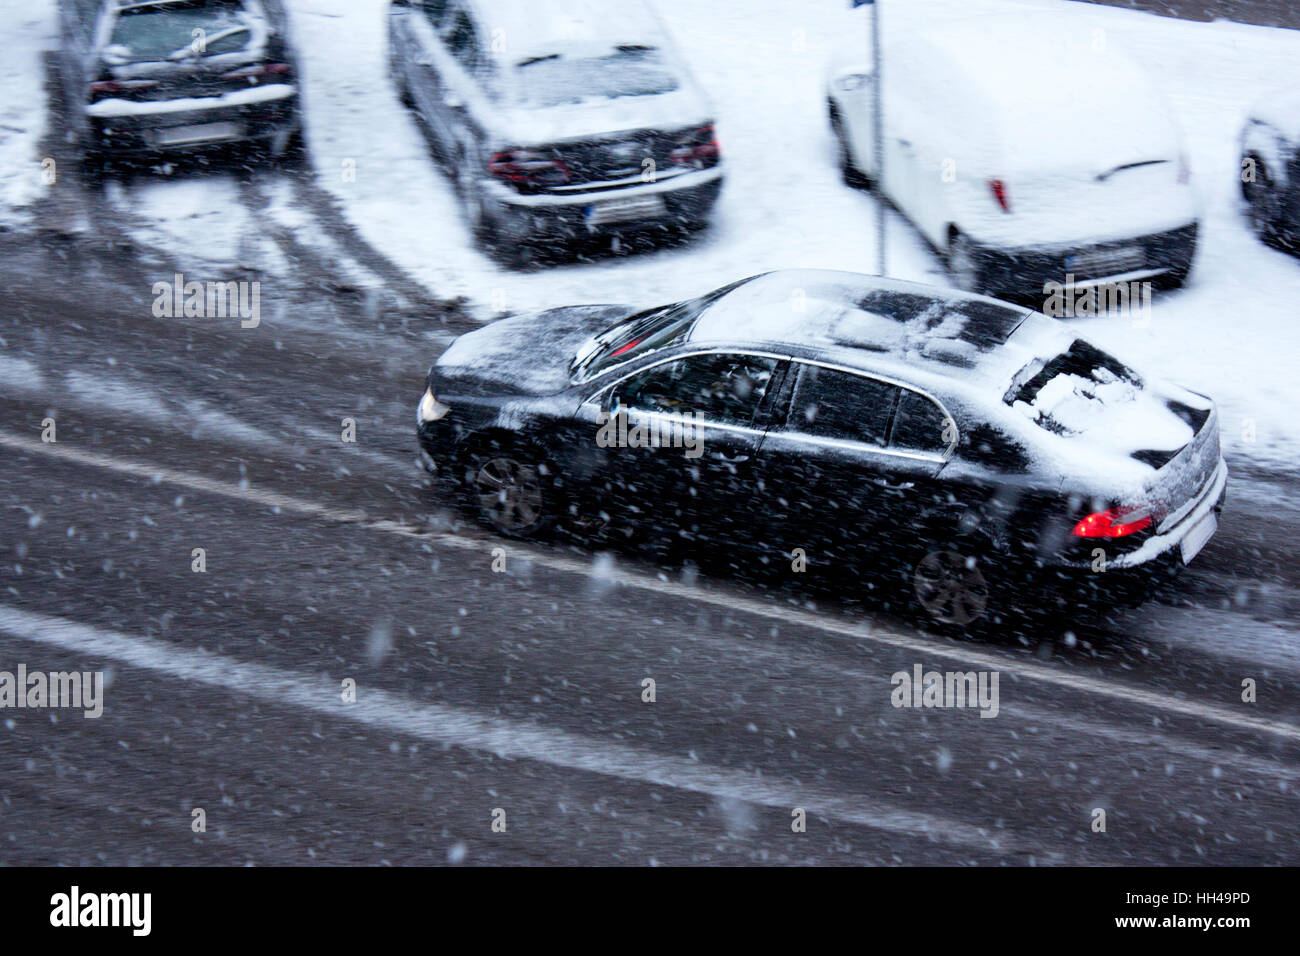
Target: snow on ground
x=199 y=212
x=1231 y=334
x=28 y=31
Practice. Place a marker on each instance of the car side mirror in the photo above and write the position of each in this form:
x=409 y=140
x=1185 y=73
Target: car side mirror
x=855 y=81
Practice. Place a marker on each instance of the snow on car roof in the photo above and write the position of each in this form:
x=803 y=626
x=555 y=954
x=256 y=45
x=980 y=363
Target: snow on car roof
x=825 y=308
x=543 y=27
x=1049 y=89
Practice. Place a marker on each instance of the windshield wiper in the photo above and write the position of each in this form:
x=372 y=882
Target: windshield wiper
x=1102 y=177
x=189 y=49
x=529 y=61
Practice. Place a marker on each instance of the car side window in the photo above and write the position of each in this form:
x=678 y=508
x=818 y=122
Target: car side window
x=921 y=426
x=832 y=404
x=433 y=11
x=462 y=40
x=721 y=388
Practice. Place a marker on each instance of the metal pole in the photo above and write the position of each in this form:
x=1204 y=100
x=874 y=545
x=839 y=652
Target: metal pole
x=879 y=67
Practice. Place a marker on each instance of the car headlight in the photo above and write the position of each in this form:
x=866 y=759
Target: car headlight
x=430 y=408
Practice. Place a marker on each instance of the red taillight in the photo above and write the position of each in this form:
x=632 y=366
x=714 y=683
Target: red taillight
x=120 y=86
x=700 y=149
x=1112 y=523
x=630 y=345
x=524 y=166
x=258 y=69
x=1000 y=194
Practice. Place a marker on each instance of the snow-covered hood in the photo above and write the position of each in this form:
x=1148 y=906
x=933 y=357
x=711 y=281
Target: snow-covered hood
x=528 y=354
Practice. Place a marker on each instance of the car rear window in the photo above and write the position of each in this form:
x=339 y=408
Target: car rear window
x=558 y=80
x=158 y=31
x=1063 y=394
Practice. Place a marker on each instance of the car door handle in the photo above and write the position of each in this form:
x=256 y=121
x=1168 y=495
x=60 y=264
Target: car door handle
x=423 y=61
x=452 y=101
x=900 y=485
x=733 y=459
x=905 y=143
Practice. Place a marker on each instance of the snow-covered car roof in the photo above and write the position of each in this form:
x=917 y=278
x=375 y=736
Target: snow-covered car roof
x=1029 y=78
x=869 y=321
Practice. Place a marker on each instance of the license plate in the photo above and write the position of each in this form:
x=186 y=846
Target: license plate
x=203 y=133
x=622 y=210
x=1198 y=535
x=1107 y=261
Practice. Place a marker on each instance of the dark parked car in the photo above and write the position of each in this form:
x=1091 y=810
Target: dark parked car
x=168 y=75
x=1270 y=169
x=963 y=442
x=558 y=118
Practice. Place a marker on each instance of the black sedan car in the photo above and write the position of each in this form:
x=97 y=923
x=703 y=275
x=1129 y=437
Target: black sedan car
x=558 y=119
x=960 y=446
x=161 y=76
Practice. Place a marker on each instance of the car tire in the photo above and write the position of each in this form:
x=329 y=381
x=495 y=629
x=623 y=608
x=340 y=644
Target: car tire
x=291 y=153
x=403 y=88
x=849 y=171
x=93 y=168
x=512 y=489
x=1175 y=278
x=953 y=584
x=1262 y=206
x=964 y=264
x=480 y=222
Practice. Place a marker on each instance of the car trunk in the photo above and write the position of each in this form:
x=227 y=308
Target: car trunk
x=1093 y=401
x=1132 y=198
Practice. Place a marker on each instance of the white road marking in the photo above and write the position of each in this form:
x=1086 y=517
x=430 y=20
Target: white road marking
x=726 y=601
x=507 y=738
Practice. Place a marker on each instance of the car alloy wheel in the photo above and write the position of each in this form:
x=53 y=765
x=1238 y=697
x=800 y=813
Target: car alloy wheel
x=951 y=587
x=509 y=495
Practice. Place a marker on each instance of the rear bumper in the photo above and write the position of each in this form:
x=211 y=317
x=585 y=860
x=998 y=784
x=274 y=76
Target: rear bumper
x=1161 y=547
x=124 y=126
x=1022 y=273
x=684 y=199
x=1128 y=579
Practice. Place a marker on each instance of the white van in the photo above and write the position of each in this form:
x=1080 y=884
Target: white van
x=1026 y=149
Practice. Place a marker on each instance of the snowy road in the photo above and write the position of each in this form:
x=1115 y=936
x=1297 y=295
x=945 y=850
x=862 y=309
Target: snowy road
x=522 y=690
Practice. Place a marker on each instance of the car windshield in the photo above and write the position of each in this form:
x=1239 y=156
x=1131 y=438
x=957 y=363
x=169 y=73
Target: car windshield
x=159 y=31
x=558 y=80
x=643 y=333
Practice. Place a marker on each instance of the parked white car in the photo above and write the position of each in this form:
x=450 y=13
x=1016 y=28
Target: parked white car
x=1025 y=150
